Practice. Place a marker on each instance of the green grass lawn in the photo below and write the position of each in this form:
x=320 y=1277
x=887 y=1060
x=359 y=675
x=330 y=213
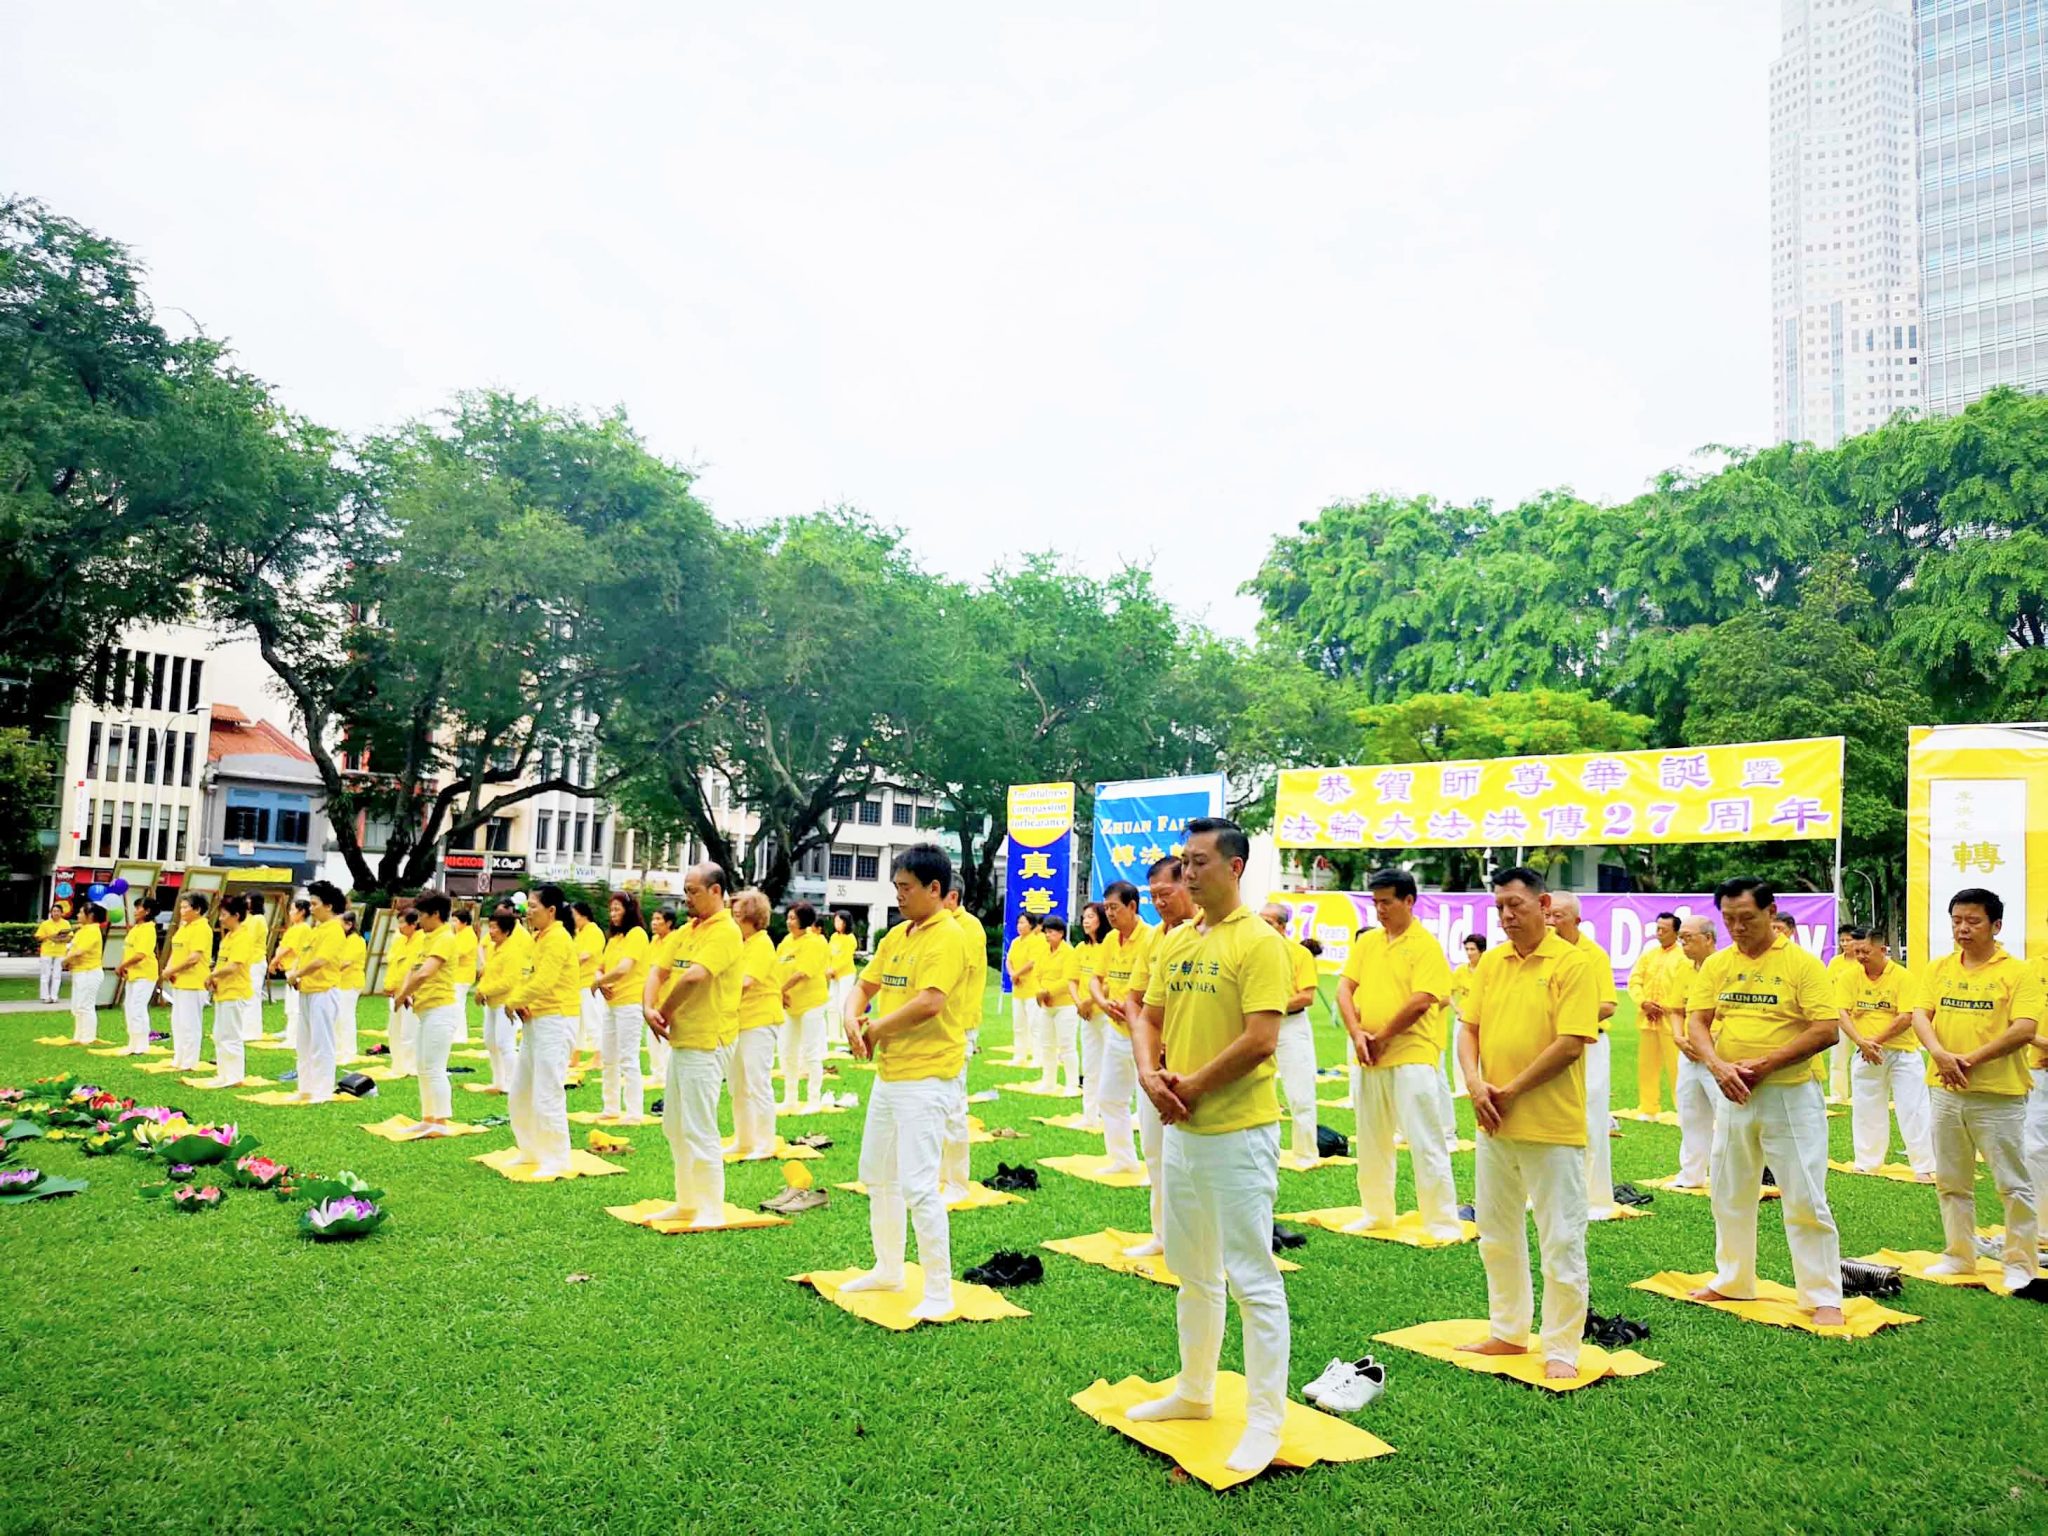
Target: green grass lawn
x=21 y=989
x=173 y=1372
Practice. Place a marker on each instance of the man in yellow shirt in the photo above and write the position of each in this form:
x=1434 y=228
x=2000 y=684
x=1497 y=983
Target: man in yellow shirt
x=804 y=960
x=1534 y=1015
x=1564 y=917
x=1204 y=1044
x=138 y=969
x=297 y=929
x=317 y=974
x=1022 y=959
x=188 y=970
x=1978 y=1010
x=1658 y=984
x=494 y=988
x=1760 y=1011
x=53 y=937
x=699 y=985
x=1166 y=883
x=1875 y=998
x=233 y=991
x=1122 y=950
x=954 y=1174
x=1058 y=1023
x=1841 y=1056
x=429 y=991
x=1391 y=998
x=404 y=1022
x=917 y=982
x=1696 y=1095
x=547 y=1001
x=1294 y=1059
x=82 y=958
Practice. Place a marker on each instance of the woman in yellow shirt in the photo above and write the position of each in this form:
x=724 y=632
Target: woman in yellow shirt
x=233 y=993
x=403 y=1021
x=805 y=962
x=430 y=991
x=501 y=974
x=138 y=970
x=465 y=969
x=188 y=970
x=1021 y=959
x=621 y=974
x=1093 y=1026
x=663 y=925
x=1053 y=976
x=750 y=1064
x=53 y=937
x=316 y=972
x=840 y=947
x=298 y=927
x=591 y=1010
x=348 y=992
x=82 y=960
x=546 y=1002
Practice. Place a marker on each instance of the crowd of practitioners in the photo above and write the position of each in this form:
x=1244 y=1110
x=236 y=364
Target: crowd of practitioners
x=1182 y=1038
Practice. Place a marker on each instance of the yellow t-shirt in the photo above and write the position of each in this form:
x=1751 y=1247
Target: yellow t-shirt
x=1050 y=975
x=1520 y=1004
x=803 y=954
x=234 y=958
x=914 y=958
x=2037 y=1053
x=1118 y=967
x=619 y=948
x=501 y=970
x=1303 y=972
x=1973 y=1008
x=193 y=938
x=1087 y=960
x=355 y=961
x=708 y=1016
x=398 y=956
x=465 y=954
x=977 y=960
x=1603 y=973
x=1662 y=976
x=840 y=947
x=549 y=985
x=437 y=990
x=1842 y=967
x=84 y=951
x=323 y=942
x=292 y=940
x=1461 y=990
x=1875 y=1006
x=589 y=950
x=1389 y=971
x=52 y=933
x=1206 y=982
x=760 y=1002
x=1761 y=1004
x=1022 y=953
x=139 y=943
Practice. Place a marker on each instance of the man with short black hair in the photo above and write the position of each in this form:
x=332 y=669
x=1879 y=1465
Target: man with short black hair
x=316 y=972
x=1759 y=1012
x=1875 y=999
x=1658 y=984
x=699 y=985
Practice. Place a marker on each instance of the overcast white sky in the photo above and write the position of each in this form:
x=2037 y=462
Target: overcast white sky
x=1146 y=282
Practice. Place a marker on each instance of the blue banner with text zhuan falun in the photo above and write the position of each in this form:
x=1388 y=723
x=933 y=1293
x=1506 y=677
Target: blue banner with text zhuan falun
x=1140 y=821
x=1039 y=865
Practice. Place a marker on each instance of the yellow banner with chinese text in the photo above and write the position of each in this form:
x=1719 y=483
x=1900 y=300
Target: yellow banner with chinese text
x=1749 y=792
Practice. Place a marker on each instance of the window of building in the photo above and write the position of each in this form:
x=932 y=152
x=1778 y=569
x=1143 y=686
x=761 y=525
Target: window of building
x=149 y=758
x=562 y=833
x=178 y=852
x=871 y=813
x=867 y=866
x=293 y=826
x=177 y=682
x=145 y=823
x=246 y=824
x=106 y=829
x=185 y=775
x=499 y=838
x=542 y=823
x=192 y=684
x=597 y=840
x=138 y=682
x=102 y=664
x=163 y=834
x=115 y=736
x=134 y=751
x=581 y=829
x=842 y=866
x=156 y=681
x=901 y=812
x=92 y=750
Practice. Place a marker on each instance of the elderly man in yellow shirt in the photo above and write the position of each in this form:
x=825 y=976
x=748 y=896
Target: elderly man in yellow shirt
x=53 y=937
x=138 y=969
x=188 y=970
x=1565 y=917
x=699 y=985
x=1204 y=1044
x=1760 y=1010
x=83 y=958
x=1658 y=983
x=1391 y=996
x=1697 y=1096
x=1978 y=1010
x=917 y=1038
x=316 y=972
x=1534 y=1014
x=1875 y=998
x=547 y=1000
x=1294 y=1061
x=1123 y=950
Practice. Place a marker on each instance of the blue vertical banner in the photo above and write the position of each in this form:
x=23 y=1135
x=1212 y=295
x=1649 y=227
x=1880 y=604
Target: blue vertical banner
x=1039 y=866
x=1140 y=821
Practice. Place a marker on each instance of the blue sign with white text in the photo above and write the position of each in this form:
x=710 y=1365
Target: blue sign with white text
x=1140 y=821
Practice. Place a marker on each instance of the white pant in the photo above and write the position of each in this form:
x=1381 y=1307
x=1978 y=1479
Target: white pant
x=1294 y=1061
x=1841 y=1071
x=539 y=1106
x=1508 y=1177
x=188 y=1028
x=461 y=1014
x=955 y=1173
x=618 y=1044
x=1119 y=1084
x=591 y=1009
x=1599 y=1058
x=49 y=978
x=230 y=1022
x=404 y=1040
x=1092 y=1047
x=135 y=1009
x=346 y=1046
x=316 y=1045
x=1023 y=1030
x=501 y=1044
x=689 y=1118
x=1152 y=1139
x=1697 y=1098
x=901 y=1151
x=1996 y=1125
x=1900 y=1078
x=803 y=1057
x=252 y=1026
x=1411 y=1098
x=85 y=1006
x=1056 y=1029
x=437 y=1037
x=835 y=1000
x=2037 y=1137
x=749 y=1069
x=1219 y=1228
x=294 y=1010
x=1783 y=1125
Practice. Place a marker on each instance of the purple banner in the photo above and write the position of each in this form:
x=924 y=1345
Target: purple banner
x=1621 y=925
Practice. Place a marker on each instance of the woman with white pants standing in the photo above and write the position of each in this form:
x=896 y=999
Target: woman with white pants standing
x=465 y=964
x=621 y=975
x=403 y=1024
x=750 y=1064
x=233 y=993
x=429 y=991
x=315 y=971
x=138 y=970
x=256 y=944
x=493 y=989
x=188 y=970
x=591 y=1012
x=298 y=929
x=53 y=938
x=1294 y=1058
x=1053 y=976
x=840 y=948
x=805 y=962
x=547 y=1002
x=348 y=991
x=82 y=958
x=664 y=933
x=698 y=1009
x=1093 y=1026
x=1123 y=949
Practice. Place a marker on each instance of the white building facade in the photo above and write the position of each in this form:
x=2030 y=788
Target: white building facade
x=1845 y=265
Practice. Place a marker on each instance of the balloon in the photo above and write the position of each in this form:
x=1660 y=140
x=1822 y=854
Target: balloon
x=519 y=900
x=119 y=887
x=95 y=890
x=114 y=909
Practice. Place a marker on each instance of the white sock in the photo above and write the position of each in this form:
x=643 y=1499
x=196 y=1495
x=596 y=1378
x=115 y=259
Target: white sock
x=709 y=1216
x=1255 y=1452
x=931 y=1308
x=1949 y=1264
x=1150 y=1248
x=1171 y=1406
x=873 y=1280
x=1363 y=1224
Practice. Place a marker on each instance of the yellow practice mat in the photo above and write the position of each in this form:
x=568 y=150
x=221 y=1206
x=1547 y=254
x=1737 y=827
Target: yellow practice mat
x=1662 y=1117
x=1442 y=1341
x=64 y=1040
x=592 y=1117
x=1989 y=1276
x=288 y=1098
x=1294 y=1162
x=977 y=1133
x=1705 y=1192
x=978 y=1197
x=122 y=1050
x=1899 y=1173
x=1106 y=1250
x=805 y=1114
x=1035 y=1091
x=214 y=1082
x=582 y=1165
x=1406 y=1230
x=1200 y=1446
x=1095 y=1169
x=734 y=1218
x=405 y=1128
x=784 y=1152
x=891 y=1309
x=161 y=1067
x=1068 y=1123
x=1778 y=1305
x=484 y=1088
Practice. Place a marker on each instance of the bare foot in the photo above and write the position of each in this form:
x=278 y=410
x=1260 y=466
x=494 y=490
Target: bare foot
x=1828 y=1317
x=1557 y=1370
x=1494 y=1347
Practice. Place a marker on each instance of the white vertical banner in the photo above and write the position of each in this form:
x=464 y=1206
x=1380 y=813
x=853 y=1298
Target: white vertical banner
x=1977 y=835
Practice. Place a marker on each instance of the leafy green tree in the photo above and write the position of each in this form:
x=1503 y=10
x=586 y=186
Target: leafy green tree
x=28 y=784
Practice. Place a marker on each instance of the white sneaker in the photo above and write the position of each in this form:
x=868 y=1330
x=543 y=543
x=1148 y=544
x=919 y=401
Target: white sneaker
x=1949 y=1264
x=1336 y=1372
x=1363 y=1382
